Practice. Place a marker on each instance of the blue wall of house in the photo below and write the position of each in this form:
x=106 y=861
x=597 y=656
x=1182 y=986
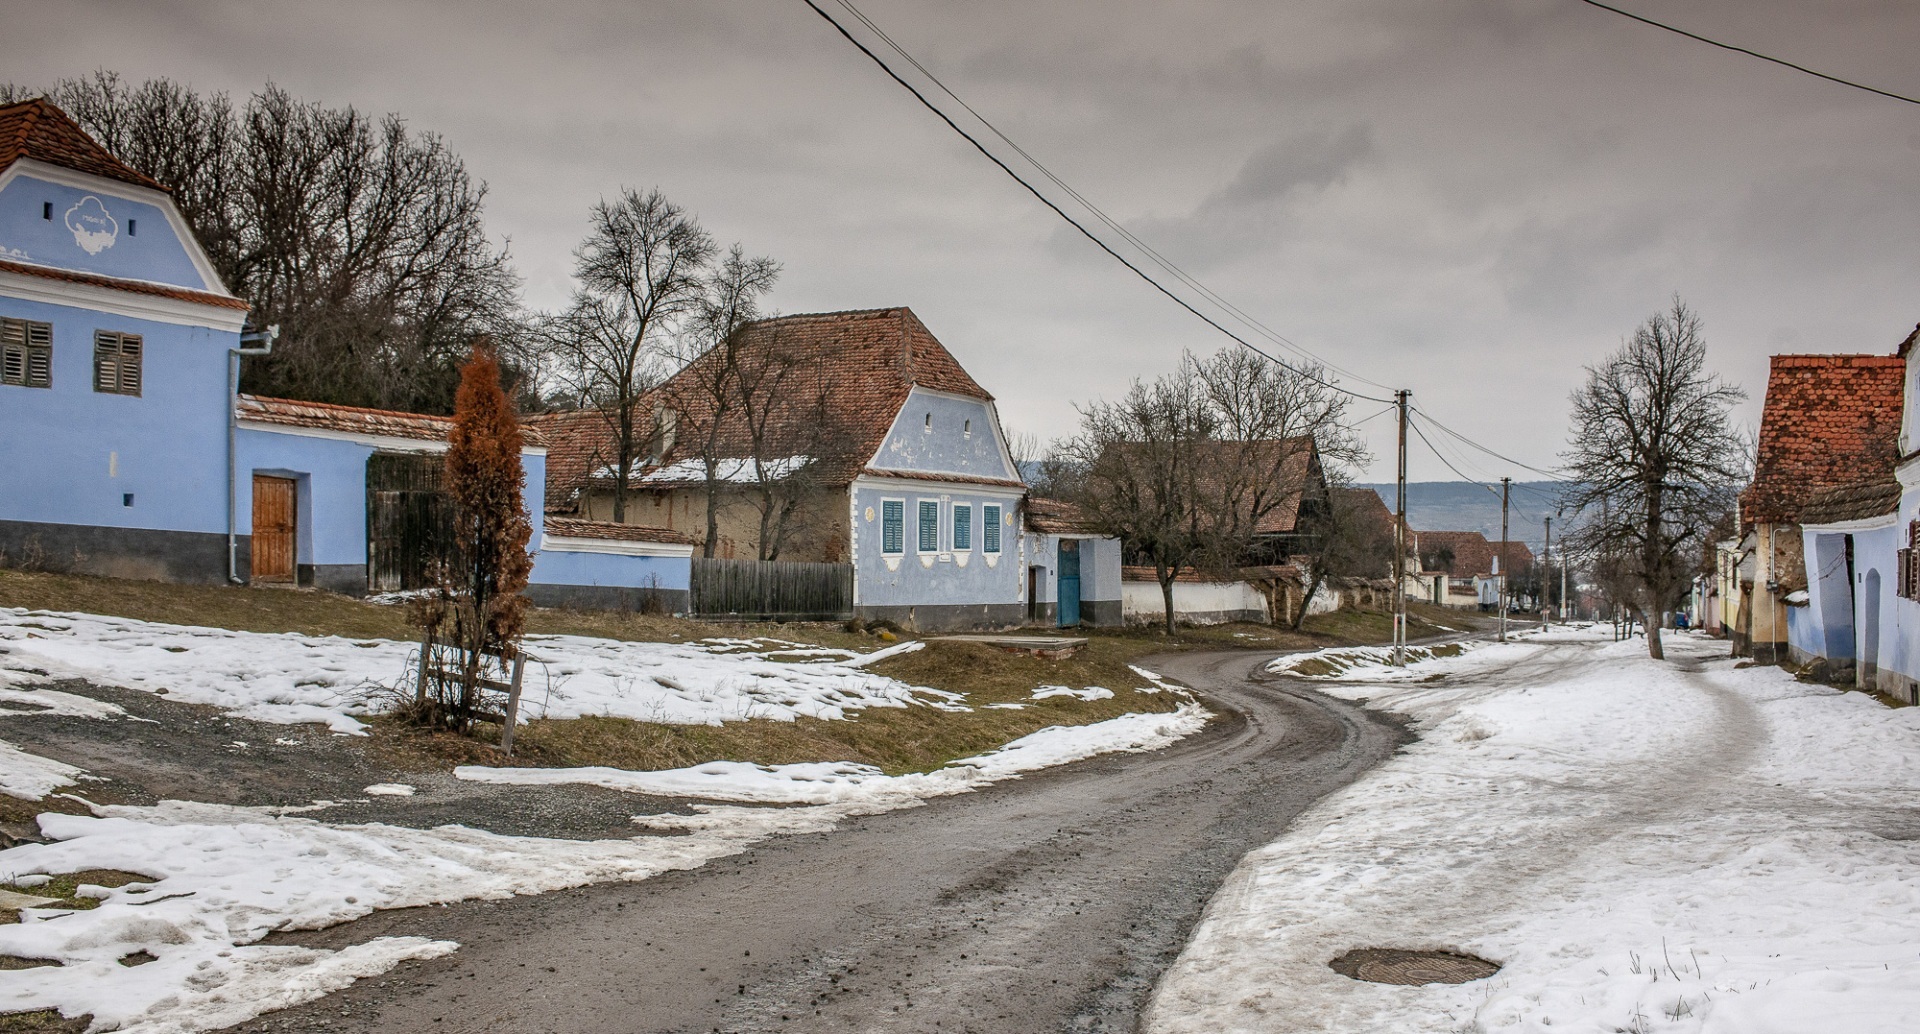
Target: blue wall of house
x=1825 y=626
x=935 y=433
x=914 y=578
x=74 y=454
x=330 y=498
x=133 y=239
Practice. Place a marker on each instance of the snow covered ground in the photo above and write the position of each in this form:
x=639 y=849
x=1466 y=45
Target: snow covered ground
x=1645 y=847
x=292 y=679
x=223 y=877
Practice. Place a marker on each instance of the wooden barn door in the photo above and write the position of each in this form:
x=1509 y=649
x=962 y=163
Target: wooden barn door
x=273 y=529
x=409 y=520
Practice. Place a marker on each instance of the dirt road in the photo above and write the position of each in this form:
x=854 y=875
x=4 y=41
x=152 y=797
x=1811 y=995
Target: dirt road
x=1048 y=904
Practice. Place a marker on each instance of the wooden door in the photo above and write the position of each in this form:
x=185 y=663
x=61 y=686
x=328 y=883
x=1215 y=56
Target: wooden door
x=273 y=529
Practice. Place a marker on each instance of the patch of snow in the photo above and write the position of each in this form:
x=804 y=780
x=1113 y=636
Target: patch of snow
x=836 y=782
x=1677 y=847
x=293 y=679
x=223 y=877
x=735 y=470
x=389 y=790
x=1089 y=693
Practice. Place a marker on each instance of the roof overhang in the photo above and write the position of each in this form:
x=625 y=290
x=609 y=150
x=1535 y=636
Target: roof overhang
x=613 y=547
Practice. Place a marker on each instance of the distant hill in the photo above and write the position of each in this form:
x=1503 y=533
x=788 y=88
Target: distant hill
x=1465 y=506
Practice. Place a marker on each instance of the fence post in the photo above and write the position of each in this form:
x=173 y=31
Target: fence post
x=513 y=704
x=426 y=658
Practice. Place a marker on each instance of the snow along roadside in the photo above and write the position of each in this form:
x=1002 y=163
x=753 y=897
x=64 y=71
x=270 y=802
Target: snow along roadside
x=1646 y=848
x=224 y=877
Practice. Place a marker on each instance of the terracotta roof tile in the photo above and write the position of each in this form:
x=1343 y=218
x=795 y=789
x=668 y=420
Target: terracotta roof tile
x=326 y=416
x=567 y=527
x=1829 y=420
x=863 y=362
x=1472 y=553
x=224 y=301
x=39 y=130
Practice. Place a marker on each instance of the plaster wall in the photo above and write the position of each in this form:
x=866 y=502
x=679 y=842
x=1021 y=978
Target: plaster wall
x=942 y=434
x=80 y=457
x=943 y=576
x=1198 y=603
x=130 y=239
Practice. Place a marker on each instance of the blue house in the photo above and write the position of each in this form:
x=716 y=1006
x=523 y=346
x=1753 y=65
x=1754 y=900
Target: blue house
x=876 y=450
x=1858 y=602
x=130 y=454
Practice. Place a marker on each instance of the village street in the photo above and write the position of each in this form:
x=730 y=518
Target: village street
x=1643 y=847
x=1052 y=903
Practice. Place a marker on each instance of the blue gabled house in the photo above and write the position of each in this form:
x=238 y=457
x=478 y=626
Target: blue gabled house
x=128 y=452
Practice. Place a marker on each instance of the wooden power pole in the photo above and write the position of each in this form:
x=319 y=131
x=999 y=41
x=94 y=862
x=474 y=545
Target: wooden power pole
x=1546 y=562
x=1506 y=489
x=1400 y=540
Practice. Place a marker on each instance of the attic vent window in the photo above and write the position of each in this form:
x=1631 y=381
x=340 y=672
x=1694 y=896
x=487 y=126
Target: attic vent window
x=929 y=421
x=966 y=429
x=132 y=224
x=46 y=210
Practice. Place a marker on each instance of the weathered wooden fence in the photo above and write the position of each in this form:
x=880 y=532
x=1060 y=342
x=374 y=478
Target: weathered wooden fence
x=771 y=590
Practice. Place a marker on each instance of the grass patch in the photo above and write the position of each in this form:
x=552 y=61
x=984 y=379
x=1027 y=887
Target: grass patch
x=895 y=739
x=65 y=887
x=43 y=1021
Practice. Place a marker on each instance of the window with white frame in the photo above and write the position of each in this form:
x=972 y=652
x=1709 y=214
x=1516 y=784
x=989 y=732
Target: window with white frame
x=893 y=531
x=26 y=353
x=116 y=363
x=929 y=526
x=962 y=527
x=990 y=528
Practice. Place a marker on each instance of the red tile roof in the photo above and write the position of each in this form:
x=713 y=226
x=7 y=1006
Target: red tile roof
x=224 y=301
x=326 y=416
x=1829 y=420
x=568 y=527
x=1472 y=553
x=945 y=479
x=39 y=130
x=1291 y=464
x=864 y=363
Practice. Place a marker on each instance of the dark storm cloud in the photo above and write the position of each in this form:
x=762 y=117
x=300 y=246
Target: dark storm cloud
x=1469 y=199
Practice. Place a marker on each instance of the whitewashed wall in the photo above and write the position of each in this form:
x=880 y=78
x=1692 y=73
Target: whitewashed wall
x=1199 y=603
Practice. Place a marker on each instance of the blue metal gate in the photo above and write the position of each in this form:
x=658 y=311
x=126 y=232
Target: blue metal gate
x=1069 y=594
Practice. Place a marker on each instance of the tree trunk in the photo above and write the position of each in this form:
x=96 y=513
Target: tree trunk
x=1301 y=616
x=1652 y=625
x=713 y=513
x=1166 y=593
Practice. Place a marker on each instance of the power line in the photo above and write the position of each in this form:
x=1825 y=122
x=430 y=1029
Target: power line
x=1750 y=53
x=1549 y=475
x=1158 y=259
x=1075 y=223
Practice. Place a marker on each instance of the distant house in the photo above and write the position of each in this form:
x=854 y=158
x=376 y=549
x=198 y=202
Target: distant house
x=1858 y=600
x=133 y=457
x=1471 y=566
x=913 y=486
x=1829 y=422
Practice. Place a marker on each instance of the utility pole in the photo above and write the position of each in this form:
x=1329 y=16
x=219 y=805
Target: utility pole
x=1563 y=578
x=1400 y=541
x=1506 y=487
x=1546 y=560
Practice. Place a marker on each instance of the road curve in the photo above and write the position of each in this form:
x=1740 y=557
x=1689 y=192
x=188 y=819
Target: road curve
x=1051 y=903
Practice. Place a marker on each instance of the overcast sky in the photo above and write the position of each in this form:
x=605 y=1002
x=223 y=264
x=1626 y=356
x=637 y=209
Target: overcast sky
x=1469 y=198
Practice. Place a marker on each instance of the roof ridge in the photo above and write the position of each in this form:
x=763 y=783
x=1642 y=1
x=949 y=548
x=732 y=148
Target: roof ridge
x=66 y=144
x=344 y=408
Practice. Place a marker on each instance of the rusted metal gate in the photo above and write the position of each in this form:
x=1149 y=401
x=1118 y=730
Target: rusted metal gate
x=771 y=590
x=273 y=529
x=409 y=520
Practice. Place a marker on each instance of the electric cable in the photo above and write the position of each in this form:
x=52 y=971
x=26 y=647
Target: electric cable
x=1075 y=223
x=1750 y=53
x=1159 y=259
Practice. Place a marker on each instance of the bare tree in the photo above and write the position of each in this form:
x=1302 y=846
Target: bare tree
x=1186 y=471
x=642 y=271
x=361 y=239
x=1345 y=541
x=714 y=356
x=1140 y=474
x=1655 y=461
